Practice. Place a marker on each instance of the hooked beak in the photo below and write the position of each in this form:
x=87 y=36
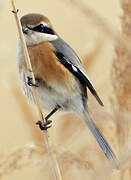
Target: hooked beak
x=25 y=30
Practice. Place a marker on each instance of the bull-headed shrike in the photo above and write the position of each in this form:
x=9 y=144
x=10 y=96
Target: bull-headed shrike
x=60 y=76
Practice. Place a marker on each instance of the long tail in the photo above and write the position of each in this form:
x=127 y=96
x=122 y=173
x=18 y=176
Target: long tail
x=100 y=139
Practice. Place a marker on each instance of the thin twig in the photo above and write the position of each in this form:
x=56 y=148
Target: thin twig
x=37 y=100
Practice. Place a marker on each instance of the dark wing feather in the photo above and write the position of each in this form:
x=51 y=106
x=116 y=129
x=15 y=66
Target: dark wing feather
x=71 y=61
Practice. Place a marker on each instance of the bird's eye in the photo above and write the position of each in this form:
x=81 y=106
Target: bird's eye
x=42 y=29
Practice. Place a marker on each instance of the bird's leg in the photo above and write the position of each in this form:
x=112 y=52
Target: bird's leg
x=45 y=125
x=50 y=114
x=29 y=82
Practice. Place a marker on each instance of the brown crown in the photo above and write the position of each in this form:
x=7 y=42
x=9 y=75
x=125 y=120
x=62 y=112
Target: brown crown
x=34 y=19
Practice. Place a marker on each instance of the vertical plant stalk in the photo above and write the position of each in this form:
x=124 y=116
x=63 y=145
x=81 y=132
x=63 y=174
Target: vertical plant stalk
x=121 y=68
x=121 y=75
x=52 y=155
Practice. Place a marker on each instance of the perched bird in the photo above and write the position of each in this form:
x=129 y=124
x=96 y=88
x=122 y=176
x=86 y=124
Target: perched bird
x=60 y=76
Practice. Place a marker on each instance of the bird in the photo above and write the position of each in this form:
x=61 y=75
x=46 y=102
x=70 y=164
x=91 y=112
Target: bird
x=60 y=77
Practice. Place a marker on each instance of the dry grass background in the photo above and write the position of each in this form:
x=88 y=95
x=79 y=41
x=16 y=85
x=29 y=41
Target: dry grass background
x=94 y=33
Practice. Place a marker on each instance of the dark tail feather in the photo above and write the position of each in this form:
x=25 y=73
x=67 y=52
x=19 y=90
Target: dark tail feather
x=101 y=140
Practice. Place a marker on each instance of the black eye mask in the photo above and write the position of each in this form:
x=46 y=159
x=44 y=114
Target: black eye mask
x=42 y=29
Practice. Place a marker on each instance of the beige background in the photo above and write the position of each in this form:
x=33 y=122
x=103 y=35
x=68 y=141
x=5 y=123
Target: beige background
x=22 y=150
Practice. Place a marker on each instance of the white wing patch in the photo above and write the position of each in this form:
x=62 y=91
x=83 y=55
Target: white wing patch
x=88 y=78
x=74 y=68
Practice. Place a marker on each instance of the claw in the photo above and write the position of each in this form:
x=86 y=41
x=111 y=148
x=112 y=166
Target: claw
x=43 y=128
x=31 y=84
x=47 y=122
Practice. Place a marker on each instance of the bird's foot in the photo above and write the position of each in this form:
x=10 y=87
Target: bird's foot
x=44 y=126
x=47 y=122
x=29 y=82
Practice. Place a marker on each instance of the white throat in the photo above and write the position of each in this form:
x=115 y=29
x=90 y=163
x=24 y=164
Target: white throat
x=37 y=37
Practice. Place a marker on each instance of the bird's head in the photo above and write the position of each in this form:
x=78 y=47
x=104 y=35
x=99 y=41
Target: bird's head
x=37 y=29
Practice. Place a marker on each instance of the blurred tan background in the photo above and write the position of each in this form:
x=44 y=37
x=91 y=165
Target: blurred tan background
x=93 y=33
